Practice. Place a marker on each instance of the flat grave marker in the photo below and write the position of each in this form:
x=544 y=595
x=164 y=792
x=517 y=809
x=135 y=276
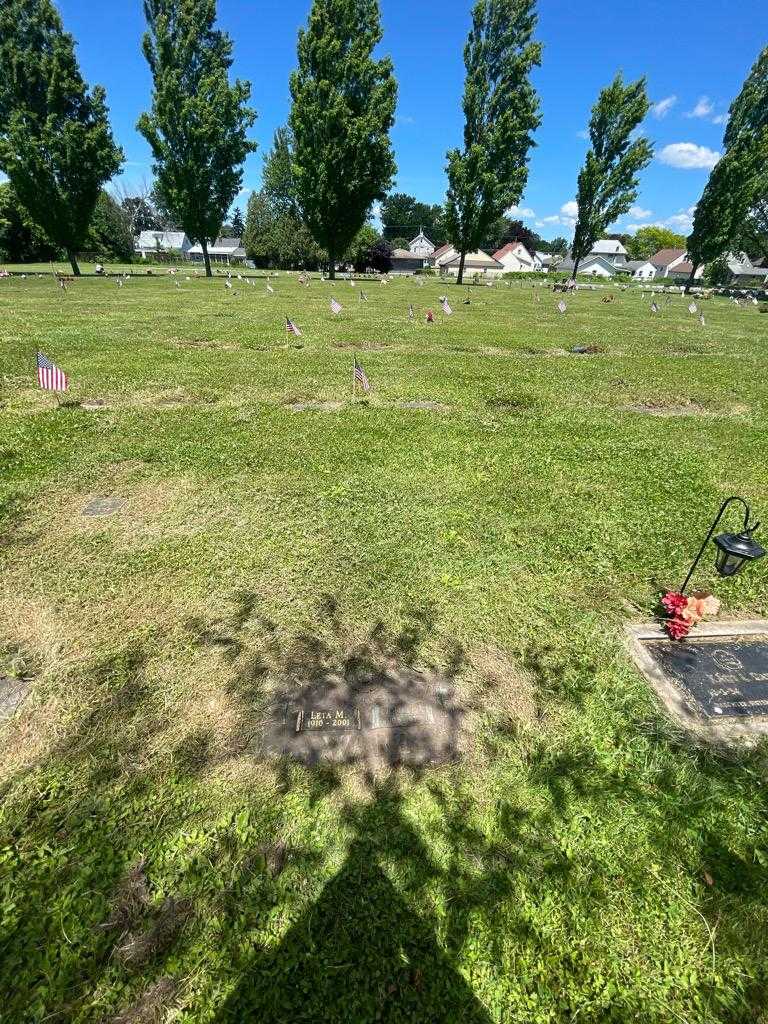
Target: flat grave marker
x=714 y=682
x=393 y=721
x=103 y=507
x=13 y=693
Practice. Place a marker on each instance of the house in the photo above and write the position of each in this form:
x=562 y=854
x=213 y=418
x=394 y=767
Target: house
x=151 y=243
x=744 y=272
x=443 y=254
x=670 y=261
x=421 y=245
x=611 y=250
x=406 y=262
x=544 y=260
x=681 y=272
x=223 y=250
x=642 y=270
x=474 y=263
x=515 y=258
x=594 y=265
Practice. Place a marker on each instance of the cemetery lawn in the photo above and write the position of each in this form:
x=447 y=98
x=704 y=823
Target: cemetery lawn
x=495 y=511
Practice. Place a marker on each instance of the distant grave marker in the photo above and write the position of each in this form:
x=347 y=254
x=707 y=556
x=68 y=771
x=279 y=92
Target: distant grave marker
x=103 y=507
x=715 y=681
x=13 y=693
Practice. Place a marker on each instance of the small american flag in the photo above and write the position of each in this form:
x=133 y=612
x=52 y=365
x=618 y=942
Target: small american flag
x=446 y=307
x=228 y=284
x=335 y=306
x=360 y=377
x=693 y=308
x=363 y=297
x=270 y=289
x=654 y=307
x=291 y=327
x=562 y=306
x=50 y=377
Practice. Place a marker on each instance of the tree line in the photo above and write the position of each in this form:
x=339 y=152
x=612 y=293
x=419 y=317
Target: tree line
x=334 y=160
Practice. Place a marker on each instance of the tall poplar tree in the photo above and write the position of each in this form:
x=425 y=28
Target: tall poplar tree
x=738 y=184
x=198 y=123
x=56 y=145
x=608 y=183
x=501 y=111
x=343 y=108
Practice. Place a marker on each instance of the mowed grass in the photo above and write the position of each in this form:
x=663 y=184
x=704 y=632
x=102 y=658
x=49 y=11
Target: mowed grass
x=495 y=510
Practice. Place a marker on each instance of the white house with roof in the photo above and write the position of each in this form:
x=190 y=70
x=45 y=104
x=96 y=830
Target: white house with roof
x=474 y=263
x=611 y=250
x=442 y=256
x=150 y=243
x=223 y=250
x=421 y=246
x=515 y=258
x=642 y=270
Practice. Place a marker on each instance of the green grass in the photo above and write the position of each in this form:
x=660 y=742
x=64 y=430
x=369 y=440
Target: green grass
x=154 y=866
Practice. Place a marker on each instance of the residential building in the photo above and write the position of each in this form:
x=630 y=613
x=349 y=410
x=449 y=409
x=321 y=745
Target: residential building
x=421 y=245
x=594 y=265
x=545 y=260
x=406 y=262
x=667 y=260
x=474 y=263
x=642 y=270
x=515 y=258
x=744 y=272
x=611 y=250
x=442 y=255
x=153 y=243
x=223 y=250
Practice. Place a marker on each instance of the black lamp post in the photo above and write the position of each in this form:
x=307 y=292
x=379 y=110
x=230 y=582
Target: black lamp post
x=734 y=550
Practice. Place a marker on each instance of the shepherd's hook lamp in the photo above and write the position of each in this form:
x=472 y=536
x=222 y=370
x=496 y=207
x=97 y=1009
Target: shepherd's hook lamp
x=734 y=550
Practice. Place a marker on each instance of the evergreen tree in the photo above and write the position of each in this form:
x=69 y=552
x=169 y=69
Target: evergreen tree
x=238 y=226
x=343 y=109
x=501 y=113
x=608 y=183
x=56 y=145
x=109 y=233
x=738 y=184
x=198 y=123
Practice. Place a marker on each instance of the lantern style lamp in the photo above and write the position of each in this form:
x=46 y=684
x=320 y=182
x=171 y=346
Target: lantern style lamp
x=734 y=550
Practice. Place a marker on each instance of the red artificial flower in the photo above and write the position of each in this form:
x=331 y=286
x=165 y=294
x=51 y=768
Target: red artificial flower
x=674 y=602
x=678 y=628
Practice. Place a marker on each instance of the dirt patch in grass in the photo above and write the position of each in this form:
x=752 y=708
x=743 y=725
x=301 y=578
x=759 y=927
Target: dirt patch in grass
x=94 y=404
x=151 y=1006
x=509 y=404
x=688 y=407
x=367 y=346
x=203 y=344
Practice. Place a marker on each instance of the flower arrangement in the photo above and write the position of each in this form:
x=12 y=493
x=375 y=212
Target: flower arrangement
x=684 y=612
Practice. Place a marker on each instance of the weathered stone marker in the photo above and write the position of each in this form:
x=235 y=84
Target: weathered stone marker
x=715 y=681
x=13 y=693
x=103 y=506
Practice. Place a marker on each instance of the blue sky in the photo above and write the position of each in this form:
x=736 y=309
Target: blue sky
x=695 y=55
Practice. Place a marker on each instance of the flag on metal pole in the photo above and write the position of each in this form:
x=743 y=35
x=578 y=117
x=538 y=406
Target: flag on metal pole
x=360 y=377
x=291 y=327
x=335 y=306
x=49 y=376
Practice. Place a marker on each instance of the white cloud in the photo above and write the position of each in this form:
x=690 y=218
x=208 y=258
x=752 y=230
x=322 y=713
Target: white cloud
x=721 y=119
x=663 y=107
x=583 y=134
x=523 y=212
x=682 y=221
x=702 y=109
x=689 y=156
x=402 y=119
x=570 y=209
x=640 y=213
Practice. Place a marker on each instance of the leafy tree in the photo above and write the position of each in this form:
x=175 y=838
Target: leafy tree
x=738 y=184
x=369 y=249
x=608 y=184
x=238 y=224
x=109 y=233
x=404 y=216
x=400 y=243
x=343 y=109
x=21 y=240
x=505 y=230
x=650 y=239
x=558 y=246
x=278 y=179
x=753 y=237
x=56 y=145
x=501 y=113
x=198 y=123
